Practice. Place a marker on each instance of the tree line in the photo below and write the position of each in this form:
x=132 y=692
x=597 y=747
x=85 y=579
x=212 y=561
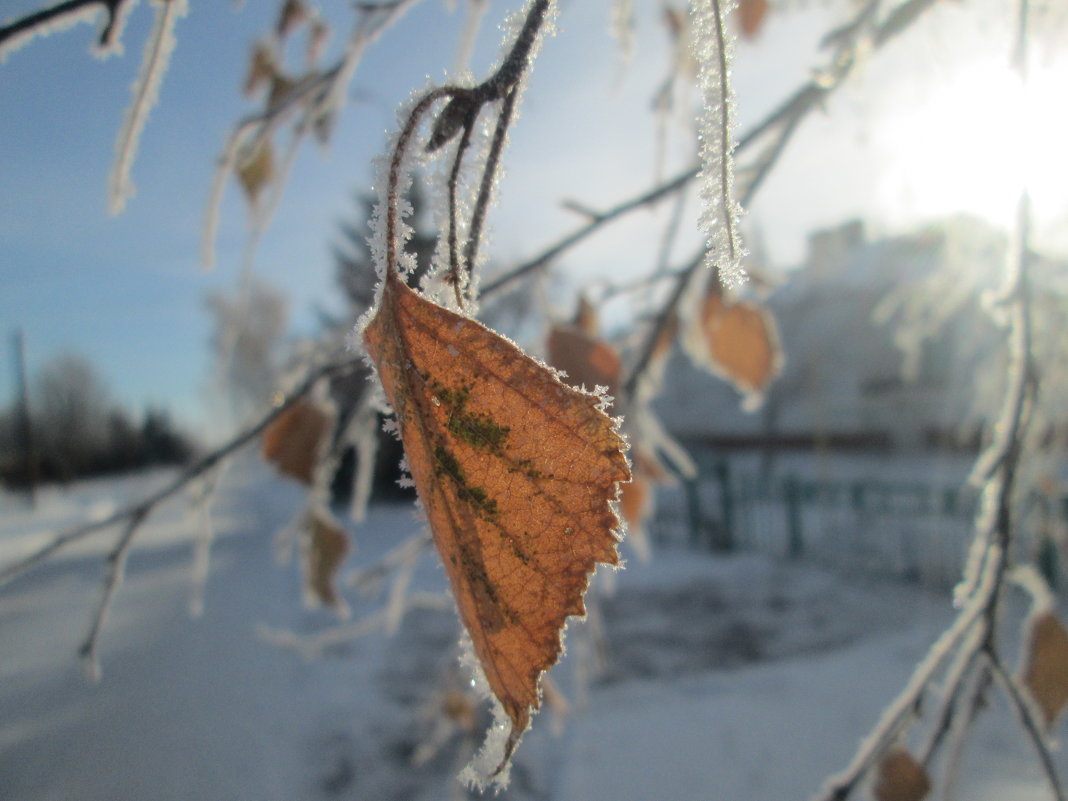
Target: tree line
x=72 y=428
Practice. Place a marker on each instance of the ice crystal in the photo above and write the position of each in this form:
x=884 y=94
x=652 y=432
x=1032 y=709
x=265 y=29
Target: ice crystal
x=721 y=211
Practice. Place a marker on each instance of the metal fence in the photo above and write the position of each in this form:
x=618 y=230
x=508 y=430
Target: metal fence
x=913 y=530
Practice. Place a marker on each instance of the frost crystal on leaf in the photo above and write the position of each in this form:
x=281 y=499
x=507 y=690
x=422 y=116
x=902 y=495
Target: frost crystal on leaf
x=721 y=211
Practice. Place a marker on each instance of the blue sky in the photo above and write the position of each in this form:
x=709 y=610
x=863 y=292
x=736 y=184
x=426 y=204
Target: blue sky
x=128 y=291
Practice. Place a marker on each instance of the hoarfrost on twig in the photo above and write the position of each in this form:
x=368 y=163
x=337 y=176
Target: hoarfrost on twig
x=158 y=52
x=719 y=218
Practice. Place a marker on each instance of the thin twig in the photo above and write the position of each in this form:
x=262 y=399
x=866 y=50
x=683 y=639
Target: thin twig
x=1029 y=721
x=839 y=786
x=116 y=569
x=36 y=20
x=318 y=94
x=795 y=108
x=489 y=178
x=548 y=254
x=311 y=646
x=455 y=270
x=157 y=56
x=955 y=682
x=502 y=85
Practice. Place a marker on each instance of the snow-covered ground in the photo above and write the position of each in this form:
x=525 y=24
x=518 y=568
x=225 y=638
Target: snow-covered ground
x=741 y=678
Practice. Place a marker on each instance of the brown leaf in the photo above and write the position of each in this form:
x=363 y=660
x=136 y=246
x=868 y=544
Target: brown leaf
x=261 y=67
x=586 y=318
x=665 y=339
x=1045 y=669
x=900 y=777
x=281 y=85
x=256 y=170
x=325 y=551
x=742 y=342
x=751 y=14
x=588 y=361
x=516 y=472
x=317 y=38
x=634 y=500
x=292 y=442
x=293 y=14
x=648 y=464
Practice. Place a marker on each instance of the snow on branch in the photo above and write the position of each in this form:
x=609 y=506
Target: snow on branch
x=62 y=16
x=157 y=56
x=713 y=49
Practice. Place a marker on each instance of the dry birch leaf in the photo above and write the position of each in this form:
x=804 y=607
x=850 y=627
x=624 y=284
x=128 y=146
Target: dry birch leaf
x=665 y=339
x=751 y=15
x=516 y=472
x=281 y=85
x=588 y=361
x=634 y=501
x=256 y=171
x=325 y=550
x=586 y=318
x=291 y=443
x=293 y=14
x=261 y=68
x=900 y=777
x=636 y=506
x=1045 y=669
x=742 y=343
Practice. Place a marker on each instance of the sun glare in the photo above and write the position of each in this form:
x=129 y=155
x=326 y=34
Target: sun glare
x=980 y=138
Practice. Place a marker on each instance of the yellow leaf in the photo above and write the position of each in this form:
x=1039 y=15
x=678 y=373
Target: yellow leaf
x=900 y=777
x=516 y=472
x=325 y=551
x=292 y=442
x=1045 y=669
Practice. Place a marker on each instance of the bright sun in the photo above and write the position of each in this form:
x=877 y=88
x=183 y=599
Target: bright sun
x=978 y=139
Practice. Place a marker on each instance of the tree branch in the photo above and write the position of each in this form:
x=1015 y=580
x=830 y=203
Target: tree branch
x=36 y=20
x=790 y=112
x=1029 y=721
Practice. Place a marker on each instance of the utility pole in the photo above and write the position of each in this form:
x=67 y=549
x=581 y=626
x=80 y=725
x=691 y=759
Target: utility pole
x=24 y=421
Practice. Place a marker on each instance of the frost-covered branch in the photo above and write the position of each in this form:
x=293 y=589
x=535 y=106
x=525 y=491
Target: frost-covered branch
x=459 y=117
x=18 y=32
x=720 y=217
x=317 y=100
x=839 y=786
x=1030 y=720
x=158 y=51
x=784 y=118
x=995 y=532
x=116 y=572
